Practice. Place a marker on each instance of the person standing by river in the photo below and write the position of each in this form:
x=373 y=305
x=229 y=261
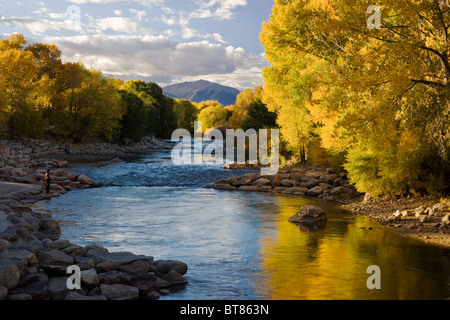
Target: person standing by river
x=47 y=181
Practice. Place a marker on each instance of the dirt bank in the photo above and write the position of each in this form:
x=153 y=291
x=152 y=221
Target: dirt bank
x=424 y=218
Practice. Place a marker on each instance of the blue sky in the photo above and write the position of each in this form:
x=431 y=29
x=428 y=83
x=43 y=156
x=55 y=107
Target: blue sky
x=164 y=41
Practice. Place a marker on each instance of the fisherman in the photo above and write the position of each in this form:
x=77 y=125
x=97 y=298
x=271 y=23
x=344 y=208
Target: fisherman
x=47 y=181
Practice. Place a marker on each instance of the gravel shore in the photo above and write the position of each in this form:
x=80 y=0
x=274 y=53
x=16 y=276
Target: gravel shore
x=35 y=261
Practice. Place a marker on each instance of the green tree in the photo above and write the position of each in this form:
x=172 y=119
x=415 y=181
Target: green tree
x=162 y=119
x=212 y=115
x=259 y=117
x=135 y=121
x=243 y=101
x=187 y=114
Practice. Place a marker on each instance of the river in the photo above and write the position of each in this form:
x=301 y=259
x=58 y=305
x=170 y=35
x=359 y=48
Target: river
x=239 y=245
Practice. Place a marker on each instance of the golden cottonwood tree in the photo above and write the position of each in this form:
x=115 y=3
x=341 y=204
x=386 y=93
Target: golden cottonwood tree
x=212 y=115
x=91 y=104
x=24 y=94
x=243 y=102
x=380 y=95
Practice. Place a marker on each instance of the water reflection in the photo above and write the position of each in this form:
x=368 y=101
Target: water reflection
x=241 y=245
x=331 y=263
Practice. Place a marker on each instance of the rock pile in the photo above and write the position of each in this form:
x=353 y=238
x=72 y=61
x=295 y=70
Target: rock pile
x=438 y=214
x=312 y=182
x=38 y=148
x=34 y=261
x=38 y=270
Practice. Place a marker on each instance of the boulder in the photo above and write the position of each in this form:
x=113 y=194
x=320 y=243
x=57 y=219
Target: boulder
x=224 y=187
x=84 y=263
x=261 y=182
x=314 y=192
x=309 y=214
x=249 y=188
x=144 y=282
x=112 y=277
x=266 y=189
x=336 y=191
x=89 y=278
x=55 y=257
x=313 y=183
x=287 y=183
x=329 y=178
x=174 y=278
x=294 y=190
x=9 y=276
x=136 y=267
x=119 y=292
x=84 y=179
x=165 y=266
x=57 y=287
x=37 y=290
x=242 y=181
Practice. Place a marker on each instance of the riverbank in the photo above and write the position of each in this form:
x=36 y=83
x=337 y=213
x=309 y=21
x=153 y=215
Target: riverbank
x=33 y=258
x=424 y=218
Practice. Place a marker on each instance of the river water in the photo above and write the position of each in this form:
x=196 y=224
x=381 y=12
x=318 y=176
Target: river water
x=239 y=245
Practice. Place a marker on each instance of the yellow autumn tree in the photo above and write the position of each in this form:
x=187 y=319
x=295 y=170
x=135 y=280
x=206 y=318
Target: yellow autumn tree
x=381 y=95
x=24 y=93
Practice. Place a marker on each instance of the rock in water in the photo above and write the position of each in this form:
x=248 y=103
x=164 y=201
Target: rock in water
x=309 y=214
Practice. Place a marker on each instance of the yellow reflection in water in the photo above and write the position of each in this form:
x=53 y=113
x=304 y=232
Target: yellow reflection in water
x=331 y=263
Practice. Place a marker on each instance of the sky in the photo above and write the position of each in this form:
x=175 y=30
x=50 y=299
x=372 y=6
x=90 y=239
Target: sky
x=162 y=41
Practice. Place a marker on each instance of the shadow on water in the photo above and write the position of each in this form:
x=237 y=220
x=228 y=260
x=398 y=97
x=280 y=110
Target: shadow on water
x=240 y=245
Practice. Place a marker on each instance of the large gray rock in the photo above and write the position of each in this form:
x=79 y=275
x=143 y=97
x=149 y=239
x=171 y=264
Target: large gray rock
x=112 y=277
x=99 y=256
x=89 y=278
x=9 y=276
x=84 y=179
x=146 y=283
x=309 y=214
x=314 y=192
x=165 y=266
x=37 y=290
x=174 y=278
x=261 y=182
x=329 y=178
x=136 y=267
x=58 y=288
x=119 y=292
x=55 y=257
x=223 y=186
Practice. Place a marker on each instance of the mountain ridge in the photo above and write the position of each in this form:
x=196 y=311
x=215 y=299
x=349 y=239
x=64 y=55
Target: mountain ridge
x=202 y=90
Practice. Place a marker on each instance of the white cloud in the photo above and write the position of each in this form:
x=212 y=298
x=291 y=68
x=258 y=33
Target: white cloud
x=117 y=12
x=218 y=9
x=139 y=14
x=151 y=57
x=117 y=24
x=142 y=2
x=189 y=33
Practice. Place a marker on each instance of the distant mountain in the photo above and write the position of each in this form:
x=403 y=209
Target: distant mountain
x=202 y=91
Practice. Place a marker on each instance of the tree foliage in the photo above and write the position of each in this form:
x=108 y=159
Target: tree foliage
x=380 y=96
x=212 y=115
x=37 y=88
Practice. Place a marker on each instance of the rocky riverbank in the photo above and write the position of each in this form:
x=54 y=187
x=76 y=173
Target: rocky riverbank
x=425 y=218
x=33 y=258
